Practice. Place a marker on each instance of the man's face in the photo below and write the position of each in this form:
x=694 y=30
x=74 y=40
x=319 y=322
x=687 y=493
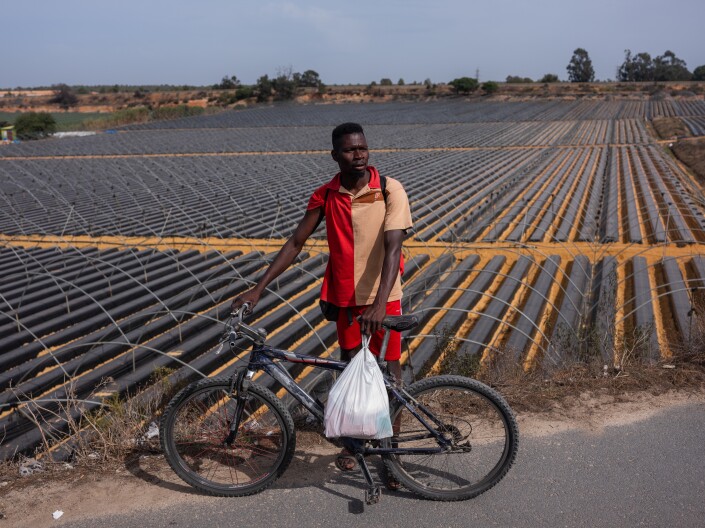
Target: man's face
x=352 y=154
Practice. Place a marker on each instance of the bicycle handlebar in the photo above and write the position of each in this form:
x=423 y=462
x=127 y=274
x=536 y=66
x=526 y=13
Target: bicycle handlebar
x=240 y=329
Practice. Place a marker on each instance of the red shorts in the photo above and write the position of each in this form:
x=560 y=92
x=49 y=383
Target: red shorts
x=349 y=336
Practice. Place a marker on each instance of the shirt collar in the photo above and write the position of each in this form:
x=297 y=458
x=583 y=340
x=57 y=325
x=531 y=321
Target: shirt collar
x=374 y=182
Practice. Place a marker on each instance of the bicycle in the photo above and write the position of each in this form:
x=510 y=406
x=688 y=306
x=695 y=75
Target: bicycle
x=457 y=437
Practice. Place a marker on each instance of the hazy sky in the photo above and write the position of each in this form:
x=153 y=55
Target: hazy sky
x=198 y=42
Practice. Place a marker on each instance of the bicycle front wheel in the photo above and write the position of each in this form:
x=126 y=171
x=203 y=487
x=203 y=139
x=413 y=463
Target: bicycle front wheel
x=196 y=424
x=482 y=429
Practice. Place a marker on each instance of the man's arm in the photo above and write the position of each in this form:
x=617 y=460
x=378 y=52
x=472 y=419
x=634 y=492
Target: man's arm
x=288 y=252
x=371 y=320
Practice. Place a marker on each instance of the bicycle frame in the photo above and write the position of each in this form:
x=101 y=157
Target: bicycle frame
x=263 y=358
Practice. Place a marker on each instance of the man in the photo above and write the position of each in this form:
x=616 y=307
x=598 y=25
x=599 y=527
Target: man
x=365 y=229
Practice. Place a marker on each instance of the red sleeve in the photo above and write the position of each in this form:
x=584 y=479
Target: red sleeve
x=317 y=198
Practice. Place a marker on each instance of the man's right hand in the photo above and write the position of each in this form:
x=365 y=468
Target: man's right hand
x=250 y=297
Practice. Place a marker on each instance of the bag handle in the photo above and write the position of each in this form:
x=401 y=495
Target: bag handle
x=366 y=341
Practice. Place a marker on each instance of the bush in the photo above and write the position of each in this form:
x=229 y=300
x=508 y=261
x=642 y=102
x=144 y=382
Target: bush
x=699 y=73
x=264 y=88
x=284 y=87
x=490 y=87
x=64 y=96
x=549 y=78
x=227 y=83
x=464 y=85
x=385 y=82
x=244 y=92
x=516 y=79
x=35 y=125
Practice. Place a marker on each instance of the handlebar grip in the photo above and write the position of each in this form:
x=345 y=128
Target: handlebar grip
x=258 y=335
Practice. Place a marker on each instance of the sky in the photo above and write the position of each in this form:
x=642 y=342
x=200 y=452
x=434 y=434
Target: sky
x=199 y=42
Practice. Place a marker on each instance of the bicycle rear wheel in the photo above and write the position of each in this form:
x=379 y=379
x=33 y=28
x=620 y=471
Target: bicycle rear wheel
x=484 y=437
x=196 y=423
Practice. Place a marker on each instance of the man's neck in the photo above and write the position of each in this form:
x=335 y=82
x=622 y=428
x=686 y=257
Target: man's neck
x=354 y=181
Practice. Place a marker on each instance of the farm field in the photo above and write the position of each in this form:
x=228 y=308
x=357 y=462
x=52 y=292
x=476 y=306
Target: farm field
x=543 y=230
x=64 y=120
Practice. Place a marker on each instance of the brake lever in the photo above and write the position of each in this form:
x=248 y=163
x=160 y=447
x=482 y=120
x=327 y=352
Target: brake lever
x=231 y=332
x=226 y=335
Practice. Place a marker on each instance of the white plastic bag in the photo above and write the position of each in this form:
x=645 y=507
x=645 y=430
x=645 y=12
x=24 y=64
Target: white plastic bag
x=358 y=404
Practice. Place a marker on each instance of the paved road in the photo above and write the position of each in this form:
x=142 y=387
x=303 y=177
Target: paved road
x=650 y=473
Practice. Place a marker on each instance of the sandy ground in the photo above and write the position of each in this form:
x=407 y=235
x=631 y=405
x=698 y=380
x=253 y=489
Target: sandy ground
x=148 y=482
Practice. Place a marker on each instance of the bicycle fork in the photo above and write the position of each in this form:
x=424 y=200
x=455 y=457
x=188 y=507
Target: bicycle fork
x=240 y=384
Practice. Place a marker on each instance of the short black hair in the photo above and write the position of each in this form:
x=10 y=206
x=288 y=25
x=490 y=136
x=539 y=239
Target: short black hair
x=344 y=130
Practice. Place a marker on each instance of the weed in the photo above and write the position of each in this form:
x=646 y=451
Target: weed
x=575 y=369
x=74 y=429
x=452 y=359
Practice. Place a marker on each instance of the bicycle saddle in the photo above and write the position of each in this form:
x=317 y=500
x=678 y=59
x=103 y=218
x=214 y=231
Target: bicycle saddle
x=399 y=323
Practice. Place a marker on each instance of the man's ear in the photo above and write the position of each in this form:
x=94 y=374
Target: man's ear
x=334 y=155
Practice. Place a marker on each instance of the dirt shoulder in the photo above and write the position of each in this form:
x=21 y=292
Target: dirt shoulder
x=146 y=482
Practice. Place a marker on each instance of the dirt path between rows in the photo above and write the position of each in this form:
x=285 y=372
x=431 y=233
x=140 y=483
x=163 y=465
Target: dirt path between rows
x=148 y=483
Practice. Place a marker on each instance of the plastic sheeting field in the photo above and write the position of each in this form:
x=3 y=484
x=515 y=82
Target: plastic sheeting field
x=542 y=231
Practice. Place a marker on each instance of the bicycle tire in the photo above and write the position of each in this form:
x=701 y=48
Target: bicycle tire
x=483 y=426
x=197 y=421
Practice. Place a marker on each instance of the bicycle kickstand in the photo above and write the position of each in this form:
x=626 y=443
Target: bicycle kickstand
x=372 y=492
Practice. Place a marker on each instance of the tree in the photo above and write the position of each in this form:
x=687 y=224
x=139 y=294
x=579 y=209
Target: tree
x=699 y=73
x=400 y=82
x=636 y=68
x=641 y=68
x=264 y=88
x=580 y=67
x=516 y=79
x=490 y=87
x=464 y=85
x=385 y=82
x=668 y=67
x=228 y=83
x=63 y=96
x=310 y=78
x=284 y=86
x=549 y=78
x=35 y=125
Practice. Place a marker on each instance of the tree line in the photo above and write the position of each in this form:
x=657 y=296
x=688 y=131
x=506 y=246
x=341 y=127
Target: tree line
x=636 y=68
x=641 y=67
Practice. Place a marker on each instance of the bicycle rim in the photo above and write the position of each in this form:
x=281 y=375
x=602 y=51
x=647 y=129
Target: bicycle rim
x=197 y=431
x=484 y=435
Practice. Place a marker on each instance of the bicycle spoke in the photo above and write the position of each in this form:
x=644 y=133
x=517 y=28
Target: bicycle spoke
x=202 y=425
x=479 y=433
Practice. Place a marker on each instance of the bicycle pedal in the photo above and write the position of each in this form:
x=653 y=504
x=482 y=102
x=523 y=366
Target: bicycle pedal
x=372 y=495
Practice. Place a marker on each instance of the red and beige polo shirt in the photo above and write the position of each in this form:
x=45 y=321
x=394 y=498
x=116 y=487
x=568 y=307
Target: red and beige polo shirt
x=355 y=226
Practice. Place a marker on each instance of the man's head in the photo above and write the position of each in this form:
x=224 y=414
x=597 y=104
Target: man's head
x=350 y=149
x=344 y=130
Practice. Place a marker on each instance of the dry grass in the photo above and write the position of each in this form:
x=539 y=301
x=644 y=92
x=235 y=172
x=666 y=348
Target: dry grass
x=692 y=153
x=97 y=440
x=670 y=127
x=630 y=370
x=538 y=390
